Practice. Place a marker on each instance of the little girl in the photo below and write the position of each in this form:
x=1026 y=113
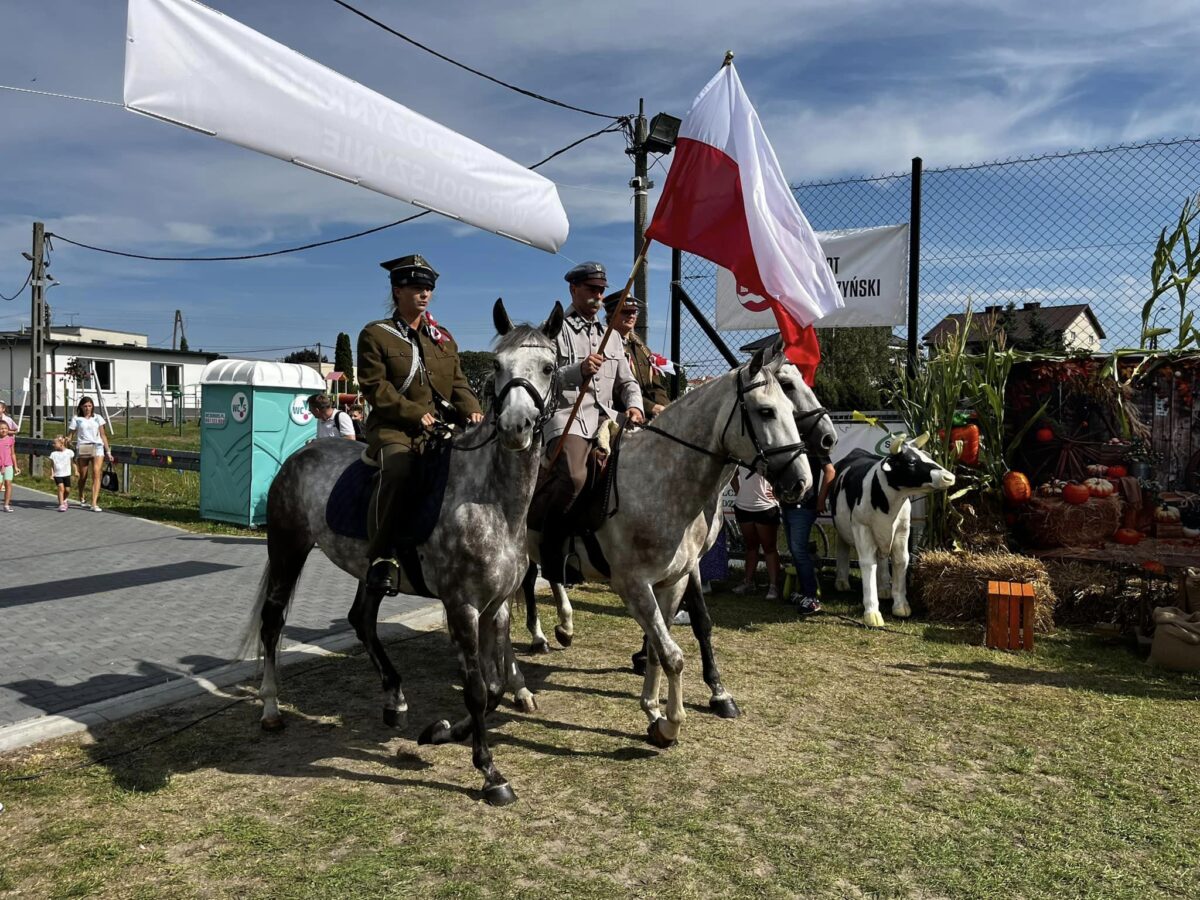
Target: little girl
x=8 y=464
x=61 y=458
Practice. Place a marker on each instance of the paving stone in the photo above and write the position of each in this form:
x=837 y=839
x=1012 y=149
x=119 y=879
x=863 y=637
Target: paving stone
x=97 y=605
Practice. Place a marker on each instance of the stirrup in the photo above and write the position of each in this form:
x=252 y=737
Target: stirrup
x=384 y=575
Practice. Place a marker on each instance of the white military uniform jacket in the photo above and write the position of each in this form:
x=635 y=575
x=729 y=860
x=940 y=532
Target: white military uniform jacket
x=614 y=383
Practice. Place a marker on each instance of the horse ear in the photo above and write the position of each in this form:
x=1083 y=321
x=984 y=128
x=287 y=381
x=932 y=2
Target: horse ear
x=772 y=353
x=554 y=324
x=756 y=364
x=500 y=317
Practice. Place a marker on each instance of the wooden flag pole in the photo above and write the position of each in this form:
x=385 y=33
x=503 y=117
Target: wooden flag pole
x=637 y=264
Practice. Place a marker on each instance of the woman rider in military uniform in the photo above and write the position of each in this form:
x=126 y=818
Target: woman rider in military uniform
x=654 y=392
x=409 y=371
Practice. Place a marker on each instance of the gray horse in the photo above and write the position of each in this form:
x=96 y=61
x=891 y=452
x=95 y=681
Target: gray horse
x=654 y=539
x=473 y=559
x=816 y=431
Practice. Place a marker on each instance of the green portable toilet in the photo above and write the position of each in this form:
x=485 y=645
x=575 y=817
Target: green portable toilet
x=254 y=415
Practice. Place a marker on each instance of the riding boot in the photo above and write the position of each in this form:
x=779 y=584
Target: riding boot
x=550 y=554
x=384 y=575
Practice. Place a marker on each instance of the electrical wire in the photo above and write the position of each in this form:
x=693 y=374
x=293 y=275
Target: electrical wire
x=620 y=126
x=455 y=62
x=21 y=289
x=9 y=87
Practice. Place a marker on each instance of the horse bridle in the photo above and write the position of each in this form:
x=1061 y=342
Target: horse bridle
x=806 y=430
x=546 y=406
x=760 y=455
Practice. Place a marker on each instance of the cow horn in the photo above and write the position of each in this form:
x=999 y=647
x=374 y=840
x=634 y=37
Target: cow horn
x=921 y=441
x=897 y=443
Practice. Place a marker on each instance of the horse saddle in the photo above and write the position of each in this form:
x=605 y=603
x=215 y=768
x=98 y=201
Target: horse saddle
x=350 y=500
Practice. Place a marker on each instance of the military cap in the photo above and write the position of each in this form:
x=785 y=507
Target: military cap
x=588 y=273
x=610 y=303
x=413 y=269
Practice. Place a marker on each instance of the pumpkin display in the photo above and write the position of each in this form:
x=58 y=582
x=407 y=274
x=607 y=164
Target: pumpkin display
x=1168 y=515
x=1100 y=487
x=1017 y=489
x=1044 y=435
x=1076 y=493
x=1127 y=536
x=969 y=435
x=1052 y=488
x=1117 y=472
x=1097 y=471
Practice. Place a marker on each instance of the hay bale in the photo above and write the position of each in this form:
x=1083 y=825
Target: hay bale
x=1053 y=522
x=982 y=527
x=952 y=587
x=1088 y=593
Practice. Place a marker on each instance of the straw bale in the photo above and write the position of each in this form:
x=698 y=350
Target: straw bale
x=952 y=586
x=1053 y=522
x=1088 y=593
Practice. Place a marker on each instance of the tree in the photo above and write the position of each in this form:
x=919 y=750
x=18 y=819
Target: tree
x=343 y=359
x=183 y=345
x=855 y=363
x=307 y=355
x=1042 y=339
x=478 y=366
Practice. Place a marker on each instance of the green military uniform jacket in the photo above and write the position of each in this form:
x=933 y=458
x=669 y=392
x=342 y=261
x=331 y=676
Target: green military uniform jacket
x=399 y=380
x=654 y=391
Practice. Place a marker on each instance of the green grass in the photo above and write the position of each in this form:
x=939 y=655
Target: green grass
x=907 y=762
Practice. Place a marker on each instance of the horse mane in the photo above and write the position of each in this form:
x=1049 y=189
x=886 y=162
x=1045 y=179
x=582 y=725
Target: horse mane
x=522 y=334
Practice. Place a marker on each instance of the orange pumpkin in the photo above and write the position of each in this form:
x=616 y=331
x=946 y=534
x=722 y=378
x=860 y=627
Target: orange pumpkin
x=1044 y=435
x=1017 y=489
x=1127 y=536
x=1076 y=493
x=1117 y=472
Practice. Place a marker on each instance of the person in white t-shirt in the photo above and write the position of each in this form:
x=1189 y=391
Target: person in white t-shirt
x=62 y=460
x=6 y=418
x=331 y=422
x=91 y=448
x=757 y=514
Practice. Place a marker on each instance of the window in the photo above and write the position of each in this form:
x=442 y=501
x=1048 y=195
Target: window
x=165 y=375
x=104 y=373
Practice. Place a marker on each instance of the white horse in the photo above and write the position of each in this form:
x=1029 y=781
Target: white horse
x=654 y=539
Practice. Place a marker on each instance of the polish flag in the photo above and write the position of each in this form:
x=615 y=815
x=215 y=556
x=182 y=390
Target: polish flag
x=726 y=199
x=661 y=364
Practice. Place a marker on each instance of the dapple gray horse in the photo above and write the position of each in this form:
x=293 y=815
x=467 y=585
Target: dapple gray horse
x=473 y=560
x=818 y=434
x=654 y=539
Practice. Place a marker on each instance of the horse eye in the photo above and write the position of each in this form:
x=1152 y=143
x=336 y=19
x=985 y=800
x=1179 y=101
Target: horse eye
x=548 y=369
x=496 y=365
x=767 y=413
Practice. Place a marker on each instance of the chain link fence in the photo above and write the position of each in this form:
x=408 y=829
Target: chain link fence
x=1067 y=239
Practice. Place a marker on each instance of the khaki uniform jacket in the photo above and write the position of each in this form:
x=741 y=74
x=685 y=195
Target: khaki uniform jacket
x=399 y=382
x=613 y=386
x=654 y=390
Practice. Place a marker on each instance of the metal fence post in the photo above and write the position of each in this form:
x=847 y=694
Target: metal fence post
x=914 y=262
x=676 y=282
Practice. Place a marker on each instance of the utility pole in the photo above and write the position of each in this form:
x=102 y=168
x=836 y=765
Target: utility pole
x=641 y=185
x=37 y=335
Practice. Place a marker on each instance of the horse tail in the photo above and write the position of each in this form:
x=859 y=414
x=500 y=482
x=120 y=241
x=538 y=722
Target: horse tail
x=251 y=645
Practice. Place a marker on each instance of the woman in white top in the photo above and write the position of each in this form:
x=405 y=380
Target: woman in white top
x=757 y=515
x=91 y=447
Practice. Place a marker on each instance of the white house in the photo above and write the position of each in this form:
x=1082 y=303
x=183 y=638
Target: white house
x=121 y=370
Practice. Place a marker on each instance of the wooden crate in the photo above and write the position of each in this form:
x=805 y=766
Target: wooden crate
x=1009 y=615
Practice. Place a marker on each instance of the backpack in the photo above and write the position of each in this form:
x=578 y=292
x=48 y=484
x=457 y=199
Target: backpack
x=360 y=432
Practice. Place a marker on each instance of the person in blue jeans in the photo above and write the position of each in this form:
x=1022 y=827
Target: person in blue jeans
x=799 y=514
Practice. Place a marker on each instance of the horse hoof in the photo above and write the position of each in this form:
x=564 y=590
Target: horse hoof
x=841 y=586
x=526 y=702
x=436 y=733
x=564 y=639
x=394 y=718
x=539 y=646
x=902 y=612
x=273 y=725
x=639 y=664
x=657 y=738
x=873 y=619
x=725 y=709
x=499 y=794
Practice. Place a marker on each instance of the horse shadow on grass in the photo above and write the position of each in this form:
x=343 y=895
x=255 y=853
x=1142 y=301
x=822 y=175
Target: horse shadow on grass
x=334 y=728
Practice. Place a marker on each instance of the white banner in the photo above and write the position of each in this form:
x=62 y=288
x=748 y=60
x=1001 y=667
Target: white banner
x=870 y=266
x=192 y=66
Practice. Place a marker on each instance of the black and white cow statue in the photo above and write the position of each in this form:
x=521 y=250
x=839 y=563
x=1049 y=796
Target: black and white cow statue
x=870 y=499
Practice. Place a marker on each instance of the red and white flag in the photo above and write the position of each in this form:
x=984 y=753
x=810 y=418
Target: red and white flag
x=726 y=199
x=661 y=364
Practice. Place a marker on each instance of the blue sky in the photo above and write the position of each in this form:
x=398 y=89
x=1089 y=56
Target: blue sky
x=852 y=87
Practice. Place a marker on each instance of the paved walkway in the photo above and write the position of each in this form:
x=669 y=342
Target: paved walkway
x=99 y=606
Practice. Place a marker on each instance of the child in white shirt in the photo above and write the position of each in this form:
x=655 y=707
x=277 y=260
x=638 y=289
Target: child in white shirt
x=61 y=459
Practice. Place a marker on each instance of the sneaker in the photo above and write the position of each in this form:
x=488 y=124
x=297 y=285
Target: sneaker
x=795 y=599
x=808 y=606
x=62 y=507
x=744 y=588
x=682 y=618
x=9 y=509
x=772 y=593
x=96 y=509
